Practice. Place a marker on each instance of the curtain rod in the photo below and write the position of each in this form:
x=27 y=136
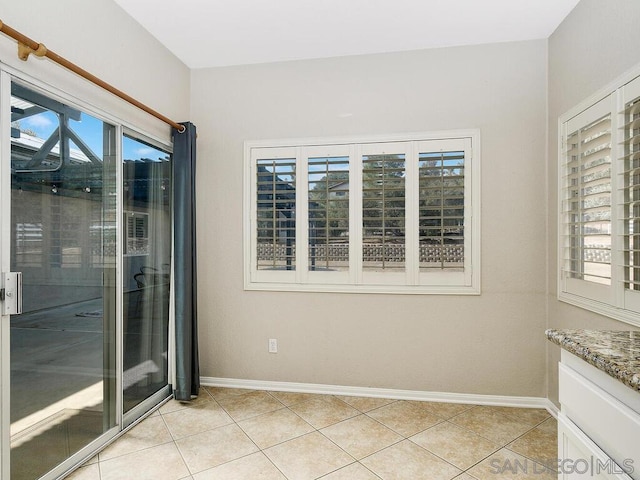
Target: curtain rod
x=27 y=46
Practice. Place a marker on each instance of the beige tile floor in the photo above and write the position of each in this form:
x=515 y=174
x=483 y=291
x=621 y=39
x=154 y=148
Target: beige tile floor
x=245 y=434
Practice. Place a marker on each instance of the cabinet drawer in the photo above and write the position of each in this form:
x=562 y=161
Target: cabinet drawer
x=580 y=458
x=613 y=426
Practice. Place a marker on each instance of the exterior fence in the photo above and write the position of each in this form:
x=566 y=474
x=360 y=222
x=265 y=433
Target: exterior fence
x=372 y=252
x=597 y=254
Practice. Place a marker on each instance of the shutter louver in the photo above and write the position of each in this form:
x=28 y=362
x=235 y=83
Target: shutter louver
x=334 y=215
x=328 y=213
x=631 y=188
x=587 y=202
x=441 y=210
x=276 y=214
x=383 y=212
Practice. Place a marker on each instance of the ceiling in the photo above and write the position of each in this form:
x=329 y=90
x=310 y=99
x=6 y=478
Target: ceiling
x=213 y=33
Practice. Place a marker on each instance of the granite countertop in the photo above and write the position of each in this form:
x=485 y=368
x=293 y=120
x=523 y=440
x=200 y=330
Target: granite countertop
x=615 y=353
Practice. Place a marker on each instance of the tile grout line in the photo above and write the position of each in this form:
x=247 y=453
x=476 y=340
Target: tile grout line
x=402 y=436
x=175 y=443
x=505 y=446
x=502 y=415
x=525 y=456
x=500 y=445
x=318 y=430
x=237 y=424
x=443 y=419
x=260 y=449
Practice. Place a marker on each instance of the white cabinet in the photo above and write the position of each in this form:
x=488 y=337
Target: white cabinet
x=581 y=458
x=599 y=424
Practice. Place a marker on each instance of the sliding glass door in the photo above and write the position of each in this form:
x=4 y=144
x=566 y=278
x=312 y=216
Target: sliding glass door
x=63 y=241
x=146 y=270
x=86 y=244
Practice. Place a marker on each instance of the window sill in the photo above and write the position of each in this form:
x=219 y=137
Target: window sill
x=600 y=308
x=368 y=289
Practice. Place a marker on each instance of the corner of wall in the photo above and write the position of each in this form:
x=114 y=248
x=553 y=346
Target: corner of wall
x=547 y=188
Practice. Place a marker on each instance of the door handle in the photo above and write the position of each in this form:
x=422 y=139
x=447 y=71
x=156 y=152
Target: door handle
x=11 y=293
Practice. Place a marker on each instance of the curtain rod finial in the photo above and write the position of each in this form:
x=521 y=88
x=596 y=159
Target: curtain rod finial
x=27 y=46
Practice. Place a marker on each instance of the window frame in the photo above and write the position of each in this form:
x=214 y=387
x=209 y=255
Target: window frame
x=614 y=300
x=355 y=280
x=130 y=233
x=573 y=286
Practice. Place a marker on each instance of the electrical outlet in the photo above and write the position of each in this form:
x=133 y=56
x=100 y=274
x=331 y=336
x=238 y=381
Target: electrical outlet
x=273 y=345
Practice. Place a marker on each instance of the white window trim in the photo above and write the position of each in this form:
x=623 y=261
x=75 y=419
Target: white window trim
x=618 y=303
x=301 y=280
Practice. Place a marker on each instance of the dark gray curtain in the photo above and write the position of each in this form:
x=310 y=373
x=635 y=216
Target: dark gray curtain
x=184 y=206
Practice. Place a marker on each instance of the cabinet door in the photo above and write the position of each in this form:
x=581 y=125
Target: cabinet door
x=580 y=458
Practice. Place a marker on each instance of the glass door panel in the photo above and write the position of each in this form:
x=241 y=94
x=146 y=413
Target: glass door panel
x=63 y=240
x=146 y=269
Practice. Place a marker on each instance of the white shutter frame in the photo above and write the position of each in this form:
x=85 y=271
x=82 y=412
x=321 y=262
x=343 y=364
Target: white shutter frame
x=570 y=285
x=388 y=148
x=620 y=302
x=323 y=277
x=404 y=282
x=265 y=276
x=448 y=277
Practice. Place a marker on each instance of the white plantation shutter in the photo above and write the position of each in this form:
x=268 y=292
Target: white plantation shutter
x=137 y=233
x=276 y=208
x=364 y=216
x=274 y=213
x=599 y=199
x=383 y=212
x=329 y=220
x=328 y=191
x=442 y=220
x=587 y=203
x=630 y=165
x=445 y=207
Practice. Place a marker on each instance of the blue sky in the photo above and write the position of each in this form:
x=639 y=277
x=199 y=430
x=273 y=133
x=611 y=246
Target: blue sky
x=89 y=129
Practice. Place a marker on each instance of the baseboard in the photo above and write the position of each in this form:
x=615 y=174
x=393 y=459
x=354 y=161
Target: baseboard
x=468 y=398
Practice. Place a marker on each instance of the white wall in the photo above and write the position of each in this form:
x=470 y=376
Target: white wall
x=488 y=344
x=100 y=37
x=595 y=44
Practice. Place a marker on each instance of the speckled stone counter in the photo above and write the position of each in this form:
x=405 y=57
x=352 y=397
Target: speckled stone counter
x=615 y=353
